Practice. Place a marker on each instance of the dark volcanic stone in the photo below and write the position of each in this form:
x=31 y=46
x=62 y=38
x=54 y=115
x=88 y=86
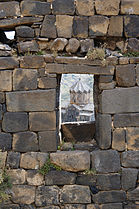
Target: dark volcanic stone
x=13 y=159
x=48 y=27
x=80 y=27
x=126 y=120
x=24 y=32
x=130 y=159
x=63 y=7
x=131 y=26
x=5 y=141
x=59 y=178
x=14 y=122
x=129 y=178
x=88 y=180
x=133 y=45
x=108 y=182
x=2 y=97
x=47 y=141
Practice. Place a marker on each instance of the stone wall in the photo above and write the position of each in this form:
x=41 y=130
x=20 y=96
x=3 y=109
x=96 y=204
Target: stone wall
x=101 y=176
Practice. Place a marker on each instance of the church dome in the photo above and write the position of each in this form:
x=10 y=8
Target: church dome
x=80 y=87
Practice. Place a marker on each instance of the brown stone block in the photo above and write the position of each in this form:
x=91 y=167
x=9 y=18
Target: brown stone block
x=8 y=63
x=34 y=178
x=125 y=75
x=6 y=80
x=38 y=100
x=132 y=137
x=32 y=62
x=28 y=46
x=9 y=9
x=107 y=7
x=130 y=7
x=116 y=26
x=64 y=25
x=47 y=83
x=137 y=74
x=130 y=159
x=85 y=8
x=48 y=27
x=17 y=176
x=47 y=141
x=126 y=120
x=118 y=142
x=42 y=121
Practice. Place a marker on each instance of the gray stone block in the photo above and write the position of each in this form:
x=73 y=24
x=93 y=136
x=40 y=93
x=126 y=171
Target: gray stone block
x=109 y=197
x=108 y=182
x=105 y=161
x=47 y=83
x=1 y=112
x=118 y=142
x=9 y=9
x=9 y=206
x=13 y=159
x=98 y=25
x=74 y=206
x=24 y=79
x=38 y=100
x=103 y=131
x=48 y=27
x=131 y=26
x=120 y=100
x=25 y=142
x=24 y=32
x=129 y=178
x=28 y=46
x=80 y=27
x=47 y=195
x=125 y=75
x=34 y=178
x=2 y=97
x=29 y=8
x=42 y=121
x=133 y=195
x=5 y=141
x=14 y=122
x=33 y=61
x=47 y=141
x=88 y=180
x=126 y=120
x=8 y=63
x=6 y=80
x=75 y=194
x=132 y=138
x=112 y=206
x=60 y=178
x=105 y=78
x=137 y=74
x=63 y=7
x=130 y=159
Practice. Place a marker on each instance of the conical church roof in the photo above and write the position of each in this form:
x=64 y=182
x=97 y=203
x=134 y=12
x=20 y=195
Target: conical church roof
x=79 y=86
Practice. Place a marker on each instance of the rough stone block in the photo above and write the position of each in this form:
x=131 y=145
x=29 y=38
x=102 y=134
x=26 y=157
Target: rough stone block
x=47 y=141
x=86 y=179
x=126 y=120
x=13 y=159
x=38 y=100
x=6 y=80
x=64 y=25
x=62 y=7
x=3 y=156
x=47 y=83
x=9 y=206
x=85 y=8
x=23 y=194
x=129 y=178
x=116 y=26
x=1 y=112
x=34 y=178
x=74 y=157
x=107 y=7
x=75 y=194
x=109 y=197
x=132 y=137
x=59 y=44
x=48 y=27
x=28 y=46
x=86 y=45
x=17 y=176
x=112 y=206
x=80 y=27
x=86 y=69
x=125 y=75
x=103 y=131
x=33 y=61
x=131 y=206
x=134 y=60
x=9 y=9
x=106 y=86
x=74 y=206
x=5 y=141
x=92 y=206
x=73 y=45
x=47 y=195
x=130 y=159
x=137 y=74
x=133 y=195
x=33 y=160
x=120 y=100
x=118 y=142
x=2 y=97
x=29 y=8
x=98 y=25
x=60 y=178
x=42 y=121
x=105 y=161
x=123 y=60
x=25 y=142
x=133 y=45
x=130 y=7
x=24 y=79
x=8 y=63
x=131 y=26
x=108 y=182
x=24 y=32
x=105 y=78
x=14 y=122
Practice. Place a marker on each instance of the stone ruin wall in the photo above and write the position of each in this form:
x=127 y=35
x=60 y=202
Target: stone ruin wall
x=102 y=177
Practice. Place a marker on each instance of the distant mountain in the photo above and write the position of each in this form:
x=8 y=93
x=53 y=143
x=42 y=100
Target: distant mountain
x=68 y=80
